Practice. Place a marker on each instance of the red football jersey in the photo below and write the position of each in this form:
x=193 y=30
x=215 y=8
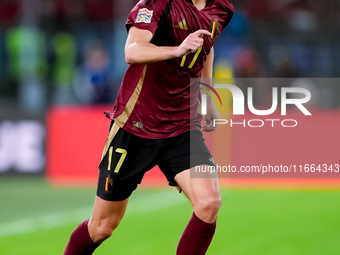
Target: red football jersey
x=154 y=99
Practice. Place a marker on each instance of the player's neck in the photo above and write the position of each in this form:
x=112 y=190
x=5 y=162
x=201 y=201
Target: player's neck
x=199 y=4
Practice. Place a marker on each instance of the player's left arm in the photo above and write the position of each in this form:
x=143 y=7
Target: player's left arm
x=212 y=113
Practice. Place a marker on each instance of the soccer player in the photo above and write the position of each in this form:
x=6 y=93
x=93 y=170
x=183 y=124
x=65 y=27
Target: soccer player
x=154 y=121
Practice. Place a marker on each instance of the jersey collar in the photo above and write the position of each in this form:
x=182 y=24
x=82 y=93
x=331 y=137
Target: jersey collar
x=207 y=4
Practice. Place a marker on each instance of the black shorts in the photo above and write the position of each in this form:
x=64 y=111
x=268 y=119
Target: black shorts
x=126 y=158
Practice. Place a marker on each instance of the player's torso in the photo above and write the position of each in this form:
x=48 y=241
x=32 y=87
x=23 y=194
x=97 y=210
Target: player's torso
x=183 y=18
x=162 y=107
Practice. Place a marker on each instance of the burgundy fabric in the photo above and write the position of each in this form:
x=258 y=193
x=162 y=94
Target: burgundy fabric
x=80 y=242
x=196 y=237
x=161 y=95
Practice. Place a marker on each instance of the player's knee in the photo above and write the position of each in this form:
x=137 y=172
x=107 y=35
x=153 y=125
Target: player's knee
x=213 y=205
x=208 y=209
x=101 y=231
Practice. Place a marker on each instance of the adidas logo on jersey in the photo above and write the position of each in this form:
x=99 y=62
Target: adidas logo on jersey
x=182 y=25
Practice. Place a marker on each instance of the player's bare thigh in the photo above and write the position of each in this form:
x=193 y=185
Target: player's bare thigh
x=106 y=216
x=203 y=193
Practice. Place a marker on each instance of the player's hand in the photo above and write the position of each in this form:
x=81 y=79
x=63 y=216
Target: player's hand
x=191 y=43
x=212 y=114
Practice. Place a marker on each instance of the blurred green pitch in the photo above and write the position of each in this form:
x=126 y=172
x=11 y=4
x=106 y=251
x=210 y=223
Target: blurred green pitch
x=38 y=219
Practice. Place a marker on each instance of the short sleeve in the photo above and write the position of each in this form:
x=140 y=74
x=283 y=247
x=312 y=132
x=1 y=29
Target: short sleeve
x=146 y=14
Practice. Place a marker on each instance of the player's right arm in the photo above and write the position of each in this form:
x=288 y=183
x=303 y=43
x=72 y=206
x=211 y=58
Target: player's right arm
x=139 y=50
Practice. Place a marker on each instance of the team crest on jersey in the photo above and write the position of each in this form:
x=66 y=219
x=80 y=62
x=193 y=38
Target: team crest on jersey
x=144 y=16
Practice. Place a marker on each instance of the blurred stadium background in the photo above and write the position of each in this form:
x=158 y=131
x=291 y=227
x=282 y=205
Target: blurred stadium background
x=61 y=63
